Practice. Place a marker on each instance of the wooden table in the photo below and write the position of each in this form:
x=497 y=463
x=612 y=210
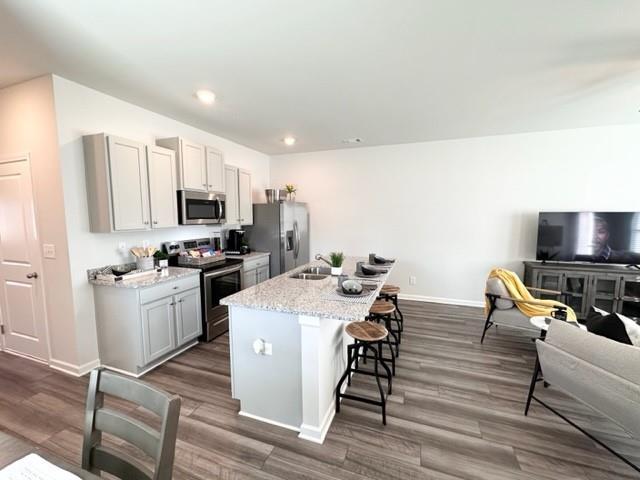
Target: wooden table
x=12 y=449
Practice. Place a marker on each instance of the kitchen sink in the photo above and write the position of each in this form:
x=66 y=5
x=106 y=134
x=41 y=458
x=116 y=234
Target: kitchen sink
x=318 y=270
x=309 y=276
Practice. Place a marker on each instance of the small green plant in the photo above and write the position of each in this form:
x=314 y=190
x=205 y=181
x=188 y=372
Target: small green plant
x=336 y=259
x=291 y=188
x=160 y=255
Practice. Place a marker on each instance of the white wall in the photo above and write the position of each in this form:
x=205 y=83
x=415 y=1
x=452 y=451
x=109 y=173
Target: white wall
x=449 y=211
x=81 y=111
x=28 y=125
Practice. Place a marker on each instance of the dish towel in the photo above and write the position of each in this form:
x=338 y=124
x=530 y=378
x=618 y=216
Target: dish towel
x=517 y=290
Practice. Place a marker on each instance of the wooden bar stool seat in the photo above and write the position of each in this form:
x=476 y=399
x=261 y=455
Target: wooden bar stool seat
x=380 y=307
x=388 y=289
x=367 y=336
x=390 y=293
x=366 y=331
x=384 y=311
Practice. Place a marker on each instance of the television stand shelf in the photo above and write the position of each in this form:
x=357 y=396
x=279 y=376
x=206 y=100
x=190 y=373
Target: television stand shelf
x=614 y=288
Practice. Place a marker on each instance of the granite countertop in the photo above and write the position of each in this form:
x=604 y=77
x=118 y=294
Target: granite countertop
x=249 y=256
x=305 y=297
x=167 y=275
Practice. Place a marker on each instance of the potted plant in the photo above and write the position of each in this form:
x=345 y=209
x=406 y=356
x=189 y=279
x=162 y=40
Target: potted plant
x=337 y=258
x=291 y=191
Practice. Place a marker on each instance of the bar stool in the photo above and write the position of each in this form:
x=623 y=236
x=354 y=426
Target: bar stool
x=390 y=292
x=382 y=311
x=366 y=335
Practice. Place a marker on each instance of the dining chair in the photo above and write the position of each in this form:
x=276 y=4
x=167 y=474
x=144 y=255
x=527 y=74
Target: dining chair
x=159 y=445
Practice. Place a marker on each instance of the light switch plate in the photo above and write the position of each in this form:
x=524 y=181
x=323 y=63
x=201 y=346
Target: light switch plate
x=48 y=250
x=412 y=280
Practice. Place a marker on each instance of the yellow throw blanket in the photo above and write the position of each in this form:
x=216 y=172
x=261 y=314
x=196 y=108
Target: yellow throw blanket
x=517 y=290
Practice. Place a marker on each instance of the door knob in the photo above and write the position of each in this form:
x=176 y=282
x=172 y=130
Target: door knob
x=32 y=275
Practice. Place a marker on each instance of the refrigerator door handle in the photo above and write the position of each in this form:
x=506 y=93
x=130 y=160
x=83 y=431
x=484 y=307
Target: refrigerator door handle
x=296 y=235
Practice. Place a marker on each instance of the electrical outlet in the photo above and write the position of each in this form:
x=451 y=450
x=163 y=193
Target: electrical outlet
x=122 y=246
x=412 y=280
x=48 y=250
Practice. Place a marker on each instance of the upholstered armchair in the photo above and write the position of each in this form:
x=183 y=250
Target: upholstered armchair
x=599 y=372
x=503 y=309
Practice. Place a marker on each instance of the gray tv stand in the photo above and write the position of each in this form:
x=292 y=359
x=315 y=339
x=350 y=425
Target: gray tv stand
x=614 y=288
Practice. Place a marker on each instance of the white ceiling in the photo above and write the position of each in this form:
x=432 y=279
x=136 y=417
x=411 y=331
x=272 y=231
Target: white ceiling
x=389 y=71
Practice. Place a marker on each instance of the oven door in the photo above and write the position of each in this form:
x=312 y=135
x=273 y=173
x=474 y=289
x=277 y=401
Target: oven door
x=217 y=285
x=196 y=208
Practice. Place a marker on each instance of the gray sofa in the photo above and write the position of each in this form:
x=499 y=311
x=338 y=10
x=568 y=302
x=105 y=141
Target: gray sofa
x=599 y=372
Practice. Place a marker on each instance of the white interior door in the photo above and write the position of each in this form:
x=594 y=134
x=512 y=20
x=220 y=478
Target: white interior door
x=22 y=310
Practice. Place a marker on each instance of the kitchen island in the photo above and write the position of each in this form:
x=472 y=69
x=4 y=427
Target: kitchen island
x=288 y=348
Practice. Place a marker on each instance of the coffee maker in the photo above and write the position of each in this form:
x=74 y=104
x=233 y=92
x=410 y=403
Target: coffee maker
x=235 y=243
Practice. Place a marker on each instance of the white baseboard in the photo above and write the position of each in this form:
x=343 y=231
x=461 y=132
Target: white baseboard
x=71 y=369
x=446 y=301
x=317 y=434
x=266 y=420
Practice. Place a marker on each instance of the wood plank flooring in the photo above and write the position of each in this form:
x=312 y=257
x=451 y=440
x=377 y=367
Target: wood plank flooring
x=455 y=413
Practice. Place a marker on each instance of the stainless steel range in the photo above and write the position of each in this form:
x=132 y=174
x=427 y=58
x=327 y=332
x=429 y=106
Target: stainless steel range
x=219 y=278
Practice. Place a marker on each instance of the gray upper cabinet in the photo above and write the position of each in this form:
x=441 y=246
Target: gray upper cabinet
x=245 y=201
x=199 y=168
x=162 y=187
x=191 y=164
x=128 y=184
x=238 y=196
x=215 y=170
x=231 y=190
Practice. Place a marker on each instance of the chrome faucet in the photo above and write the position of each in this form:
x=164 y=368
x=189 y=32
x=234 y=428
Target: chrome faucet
x=320 y=257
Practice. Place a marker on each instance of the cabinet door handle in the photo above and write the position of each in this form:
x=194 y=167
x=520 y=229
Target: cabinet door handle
x=181 y=300
x=32 y=275
x=176 y=287
x=172 y=303
x=146 y=222
x=204 y=184
x=155 y=222
x=210 y=186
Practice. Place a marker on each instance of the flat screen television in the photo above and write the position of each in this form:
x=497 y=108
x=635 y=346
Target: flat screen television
x=598 y=237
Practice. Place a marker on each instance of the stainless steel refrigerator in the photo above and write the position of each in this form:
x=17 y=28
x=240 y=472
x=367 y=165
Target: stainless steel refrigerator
x=283 y=230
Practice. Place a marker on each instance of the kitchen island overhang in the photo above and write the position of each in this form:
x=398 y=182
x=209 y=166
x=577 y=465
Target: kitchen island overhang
x=288 y=349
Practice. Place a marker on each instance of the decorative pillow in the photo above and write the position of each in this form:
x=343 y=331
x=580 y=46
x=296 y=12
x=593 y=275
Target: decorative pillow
x=632 y=328
x=609 y=326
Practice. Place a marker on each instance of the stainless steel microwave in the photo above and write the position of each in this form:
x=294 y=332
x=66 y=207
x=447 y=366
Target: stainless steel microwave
x=201 y=208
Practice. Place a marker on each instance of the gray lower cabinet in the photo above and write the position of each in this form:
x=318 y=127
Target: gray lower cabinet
x=158 y=320
x=139 y=328
x=188 y=316
x=613 y=288
x=256 y=270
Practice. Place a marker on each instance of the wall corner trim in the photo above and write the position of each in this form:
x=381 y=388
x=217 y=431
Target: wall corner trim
x=75 y=370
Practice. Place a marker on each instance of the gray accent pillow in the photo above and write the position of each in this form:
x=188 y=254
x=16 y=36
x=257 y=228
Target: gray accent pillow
x=497 y=287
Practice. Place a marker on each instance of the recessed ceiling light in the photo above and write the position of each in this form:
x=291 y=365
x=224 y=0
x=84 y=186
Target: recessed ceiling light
x=206 y=96
x=289 y=141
